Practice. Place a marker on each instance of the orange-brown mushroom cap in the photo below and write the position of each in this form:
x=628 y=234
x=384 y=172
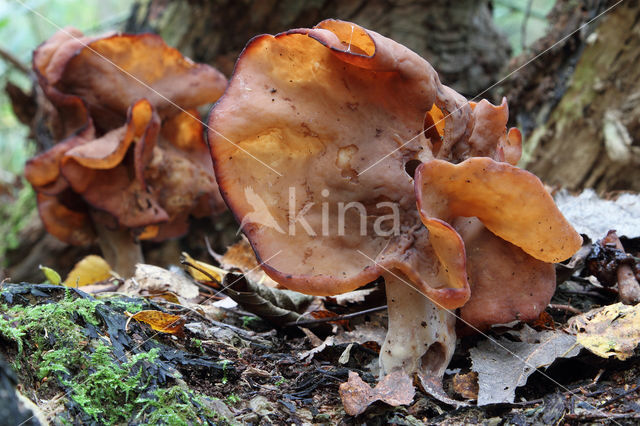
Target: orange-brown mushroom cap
x=96 y=170
x=490 y=137
x=318 y=108
x=510 y=270
x=108 y=74
x=70 y=224
x=43 y=170
x=511 y=202
x=506 y=283
x=111 y=73
x=168 y=177
x=111 y=95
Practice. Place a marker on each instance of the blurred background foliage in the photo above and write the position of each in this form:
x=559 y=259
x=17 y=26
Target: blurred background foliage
x=24 y=24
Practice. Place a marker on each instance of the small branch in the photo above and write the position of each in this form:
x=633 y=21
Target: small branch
x=628 y=286
x=9 y=57
x=565 y=308
x=618 y=397
x=337 y=317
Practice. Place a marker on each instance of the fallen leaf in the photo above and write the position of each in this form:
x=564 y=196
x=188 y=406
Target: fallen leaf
x=544 y=321
x=51 y=275
x=241 y=256
x=160 y=321
x=394 y=389
x=164 y=295
x=150 y=281
x=363 y=333
x=277 y=306
x=90 y=270
x=587 y=212
x=325 y=314
x=203 y=272
x=466 y=385
x=503 y=365
x=612 y=330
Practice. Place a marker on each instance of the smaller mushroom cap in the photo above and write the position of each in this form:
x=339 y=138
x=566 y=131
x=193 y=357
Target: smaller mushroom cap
x=512 y=203
x=511 y=229
x=506 y=283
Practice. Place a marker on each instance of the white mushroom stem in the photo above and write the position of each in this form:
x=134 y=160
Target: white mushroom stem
x=421 y=335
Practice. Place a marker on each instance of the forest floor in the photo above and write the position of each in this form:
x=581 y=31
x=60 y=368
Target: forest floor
x=83 y=360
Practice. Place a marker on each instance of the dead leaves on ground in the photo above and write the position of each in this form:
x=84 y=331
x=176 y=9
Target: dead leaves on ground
x=394 y=389
x=612 y=330
x=500 y=364
x=159 y=321
x=503 y=364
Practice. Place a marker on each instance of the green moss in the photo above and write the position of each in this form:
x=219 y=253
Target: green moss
x=53 y=342
x=177 y=406
x=107 y=390
x=49 y=325
x=132 y=307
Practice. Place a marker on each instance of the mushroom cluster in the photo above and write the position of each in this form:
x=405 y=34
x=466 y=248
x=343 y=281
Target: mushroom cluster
x=377 y=169
x=130 y=160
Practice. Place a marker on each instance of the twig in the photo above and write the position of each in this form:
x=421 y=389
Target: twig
x=597 y=378
x=622 y=395
x=566 y=308
x=599 y=416
x=203 y=271
x=337 y=317
x=9 y=57
x=628 y=286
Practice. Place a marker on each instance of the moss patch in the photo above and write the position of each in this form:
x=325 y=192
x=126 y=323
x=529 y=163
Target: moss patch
x=59 y=341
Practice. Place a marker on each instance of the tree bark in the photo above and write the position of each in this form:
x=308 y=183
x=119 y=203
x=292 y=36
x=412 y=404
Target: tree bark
x=458 y=38
x=582 y=103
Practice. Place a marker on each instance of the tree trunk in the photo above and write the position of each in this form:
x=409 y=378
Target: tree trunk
x=458 y=38
x=587 y=124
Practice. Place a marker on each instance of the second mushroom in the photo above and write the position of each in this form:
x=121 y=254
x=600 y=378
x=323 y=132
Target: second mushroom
x=324 y=131
x=130 y=161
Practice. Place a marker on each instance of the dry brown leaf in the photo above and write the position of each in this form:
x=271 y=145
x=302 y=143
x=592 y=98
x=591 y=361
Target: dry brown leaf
x=240 y=255
x=466 y=385
x=90 y=270
x=394 y=389
x=152 y=280
x=160 y=321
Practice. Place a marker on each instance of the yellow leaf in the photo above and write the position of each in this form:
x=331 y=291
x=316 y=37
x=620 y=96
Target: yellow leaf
x=202 y=272
x=90 y=270
x=613 y=330
x=52 y=276
x=160 y=321
x=240 y=255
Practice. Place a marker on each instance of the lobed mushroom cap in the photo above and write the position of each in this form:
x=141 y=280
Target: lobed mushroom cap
x=132 y=144
x=511 y=229
x=306 y=114
x=511 y=202
x=65 y=217
x=110 y=73
x=506 y=283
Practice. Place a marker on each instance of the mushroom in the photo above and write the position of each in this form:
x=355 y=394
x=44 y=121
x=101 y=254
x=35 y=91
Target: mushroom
x=320 y=107
x=513 y=285
x=512 y=232
x=324 y=128
x=132 y=162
